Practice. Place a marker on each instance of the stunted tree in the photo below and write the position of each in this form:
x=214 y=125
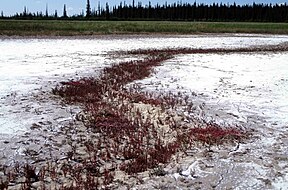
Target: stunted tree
x=99 y=8
x=64 y=11
x=25 y=11
x=88 y=9
x=55 y=14
x=46 y=12
x=107 y=12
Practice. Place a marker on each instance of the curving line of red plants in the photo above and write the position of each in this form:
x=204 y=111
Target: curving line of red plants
x=142 y=148
x=127 y=139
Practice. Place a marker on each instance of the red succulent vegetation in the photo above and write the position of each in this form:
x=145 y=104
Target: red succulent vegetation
x=127 y=139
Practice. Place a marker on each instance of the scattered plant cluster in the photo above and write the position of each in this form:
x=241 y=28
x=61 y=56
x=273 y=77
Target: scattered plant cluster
x=132 y=131
x=171 y=52
x=112 y=79
x=214 y=134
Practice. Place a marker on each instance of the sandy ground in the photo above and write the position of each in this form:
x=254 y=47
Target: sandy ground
x=35 y=125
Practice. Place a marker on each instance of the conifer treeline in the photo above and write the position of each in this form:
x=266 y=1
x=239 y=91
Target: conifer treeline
x=201 y=12
x=173 y=12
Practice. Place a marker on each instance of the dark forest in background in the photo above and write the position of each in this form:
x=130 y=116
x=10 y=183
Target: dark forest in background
x=170 y=12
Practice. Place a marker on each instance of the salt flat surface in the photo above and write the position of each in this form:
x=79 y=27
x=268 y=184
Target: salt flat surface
x=29 y=65
x=248 y=89
x=244 y=89
x=243 y=84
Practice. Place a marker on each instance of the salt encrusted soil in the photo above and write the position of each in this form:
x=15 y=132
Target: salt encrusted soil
x=48 y=135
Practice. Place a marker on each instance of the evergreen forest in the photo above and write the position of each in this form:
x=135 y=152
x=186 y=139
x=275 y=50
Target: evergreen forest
x=168 y=12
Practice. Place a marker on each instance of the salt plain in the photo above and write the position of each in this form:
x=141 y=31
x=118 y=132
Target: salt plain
x=243 y=84
x=248 y=89
x=27 y=64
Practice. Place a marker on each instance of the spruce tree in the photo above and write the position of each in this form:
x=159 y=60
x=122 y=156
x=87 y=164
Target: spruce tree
x=107 y=12
x=46 y=12
x=88 y=9
x=25 y=11
x=55 y=14
x=64 y=11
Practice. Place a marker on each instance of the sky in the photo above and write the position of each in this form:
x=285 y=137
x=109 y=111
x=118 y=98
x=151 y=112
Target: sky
x=10 y=7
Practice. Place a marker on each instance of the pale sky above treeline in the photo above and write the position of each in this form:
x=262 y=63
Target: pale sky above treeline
x=10 y=7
